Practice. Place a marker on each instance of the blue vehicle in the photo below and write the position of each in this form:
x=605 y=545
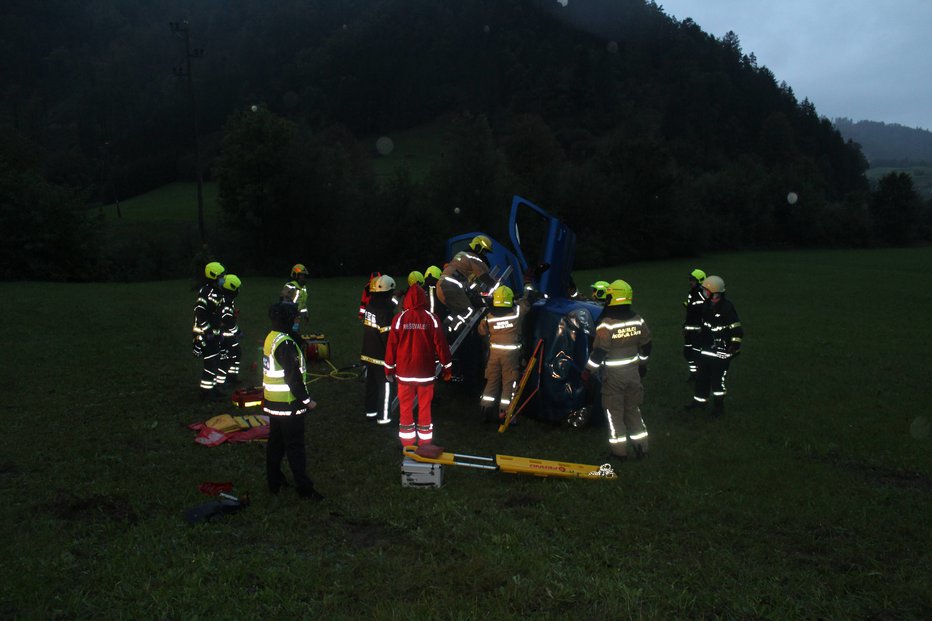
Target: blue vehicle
x=566 y=324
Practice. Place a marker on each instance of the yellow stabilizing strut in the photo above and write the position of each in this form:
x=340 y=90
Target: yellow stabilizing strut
x=511 y=413
x=518 y=465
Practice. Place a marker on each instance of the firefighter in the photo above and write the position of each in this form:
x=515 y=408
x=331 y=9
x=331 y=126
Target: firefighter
x=377 y=321
x=621 y=350
x=286 y=401
x=366 y=292
x=599 y=291
x=463 y=279
x=206 y=330
x=416 y=342
x=431 y=277
x=717 y=343
x=415 y=278
x=693 y=322
x=503 y=327
x=295 y=291
x=228 y=373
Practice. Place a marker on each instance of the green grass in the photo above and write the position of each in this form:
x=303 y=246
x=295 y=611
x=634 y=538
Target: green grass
x=173 y=202
x=922 y=178
x=416 y=149
x=809 y=499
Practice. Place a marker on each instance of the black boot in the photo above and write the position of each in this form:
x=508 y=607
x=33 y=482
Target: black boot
x=487 y=415
x=695 y=405
x=718 y=406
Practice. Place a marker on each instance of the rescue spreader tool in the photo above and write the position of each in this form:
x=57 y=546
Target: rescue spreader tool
x=517 y=465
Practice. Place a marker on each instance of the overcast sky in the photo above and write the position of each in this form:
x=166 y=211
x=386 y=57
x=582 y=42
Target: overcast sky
x=861 y=59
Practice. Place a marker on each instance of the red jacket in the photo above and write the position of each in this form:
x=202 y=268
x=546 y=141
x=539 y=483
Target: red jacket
x=415 y=342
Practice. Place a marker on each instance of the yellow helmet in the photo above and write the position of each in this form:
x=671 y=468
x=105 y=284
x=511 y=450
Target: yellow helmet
x=231 y=282
x=434 y=272
x=698 y=274
x=480 y=243
x=298 y=269
x=599 y=289
x=714 y=284
x=503 y=297
x=213 y=270
x=619 y=292
x=415 y=278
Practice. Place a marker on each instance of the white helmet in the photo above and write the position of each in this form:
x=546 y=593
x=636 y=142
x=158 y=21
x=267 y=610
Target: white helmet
x=384 y=283
x=714 y=284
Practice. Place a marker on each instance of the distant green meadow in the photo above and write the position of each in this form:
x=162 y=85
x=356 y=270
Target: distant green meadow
x=809 y=499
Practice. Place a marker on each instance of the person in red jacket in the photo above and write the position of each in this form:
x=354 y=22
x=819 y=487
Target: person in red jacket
x=416 y=341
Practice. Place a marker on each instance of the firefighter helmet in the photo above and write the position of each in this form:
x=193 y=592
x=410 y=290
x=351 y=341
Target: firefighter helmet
x=481 y=243
x=231 y=283
x=373 y=278
x=698 y=274
x=383 y=283
x=503 y=297
x=298 y=269
x=714 y=284
x=415 y=278
x=434 y=272
x=618 y=293
x=599 y=289
x=213 y=270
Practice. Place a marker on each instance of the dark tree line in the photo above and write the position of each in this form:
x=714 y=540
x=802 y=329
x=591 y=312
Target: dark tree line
x=889 y=144
x=628 y=124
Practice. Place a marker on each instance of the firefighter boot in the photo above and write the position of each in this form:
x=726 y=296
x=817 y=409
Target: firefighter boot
x=718 y=405
x=696 y=404
x=487 y=414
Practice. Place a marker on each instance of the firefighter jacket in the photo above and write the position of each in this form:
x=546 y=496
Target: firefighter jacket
x=504 y=325
x=434 y=304
x=468 y=271
x=364 y=301
x=721 y=332
x=207 y=311
x=296 y=293
x=694 y=302
x=228 y=315
x=376 y=322
x=284 y=372
x=622 y=340
x=416 y=342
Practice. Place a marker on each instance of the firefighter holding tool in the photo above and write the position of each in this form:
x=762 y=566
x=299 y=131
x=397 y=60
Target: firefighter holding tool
x=621 y=350
x=286 y=401
x=416 y=343
x=464 y=278
x=717 y=344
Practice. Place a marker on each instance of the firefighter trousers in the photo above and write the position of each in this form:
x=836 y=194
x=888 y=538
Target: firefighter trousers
x=502 y=373
x=378 y=392
x=711 y=378
x=622 y=394
x=211 y=361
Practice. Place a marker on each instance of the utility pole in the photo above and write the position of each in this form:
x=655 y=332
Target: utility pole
x=182 y=30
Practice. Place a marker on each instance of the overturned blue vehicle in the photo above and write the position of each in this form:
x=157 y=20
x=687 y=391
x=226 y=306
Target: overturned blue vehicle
x=565 y=323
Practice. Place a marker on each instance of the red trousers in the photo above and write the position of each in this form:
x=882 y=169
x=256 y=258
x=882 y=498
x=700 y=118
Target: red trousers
x=407 y=430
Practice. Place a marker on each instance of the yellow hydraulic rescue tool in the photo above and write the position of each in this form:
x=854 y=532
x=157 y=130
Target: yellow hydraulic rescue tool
x=517 y=465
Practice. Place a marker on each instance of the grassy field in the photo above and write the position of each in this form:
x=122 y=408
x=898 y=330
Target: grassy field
x=417 y=149
x=809 y=499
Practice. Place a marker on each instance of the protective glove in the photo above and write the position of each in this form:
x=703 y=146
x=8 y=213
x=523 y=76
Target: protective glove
x=584 y=376
x=642 y=370
x=198 y=345
x=447 y=375
x=390 y=378
x=733 y=348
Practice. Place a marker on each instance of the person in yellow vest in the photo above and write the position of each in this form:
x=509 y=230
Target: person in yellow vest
x=286 y=401
x=295 y=291
x=621 y=349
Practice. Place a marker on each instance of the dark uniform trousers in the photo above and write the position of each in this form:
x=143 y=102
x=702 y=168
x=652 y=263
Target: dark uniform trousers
x=286 y=438
x=379 y=392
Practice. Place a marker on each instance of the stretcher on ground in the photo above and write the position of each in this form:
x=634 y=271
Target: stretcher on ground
x=517 y=465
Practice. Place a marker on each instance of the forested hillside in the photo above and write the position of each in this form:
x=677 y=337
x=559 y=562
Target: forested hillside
x=889 y=144
x=649 y=136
